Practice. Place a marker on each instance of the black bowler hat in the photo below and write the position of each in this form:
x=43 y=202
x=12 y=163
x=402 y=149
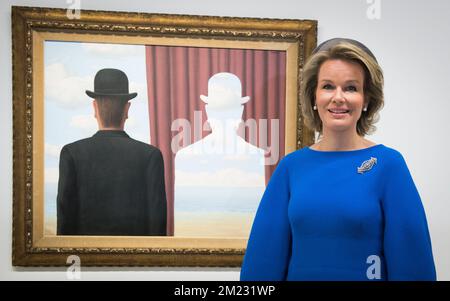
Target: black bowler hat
x=111 y=82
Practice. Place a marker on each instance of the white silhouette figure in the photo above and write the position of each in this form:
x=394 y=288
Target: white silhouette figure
x=219 y=180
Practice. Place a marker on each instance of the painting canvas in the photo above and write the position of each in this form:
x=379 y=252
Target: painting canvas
x=221 y=103
x=216 y=193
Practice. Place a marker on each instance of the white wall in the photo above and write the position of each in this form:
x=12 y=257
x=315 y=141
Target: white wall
x=412 y=43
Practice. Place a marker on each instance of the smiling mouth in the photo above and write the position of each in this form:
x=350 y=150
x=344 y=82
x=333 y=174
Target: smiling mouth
x=339 y=111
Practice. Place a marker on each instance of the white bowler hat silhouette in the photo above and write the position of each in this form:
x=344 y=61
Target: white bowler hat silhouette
x=224 y=91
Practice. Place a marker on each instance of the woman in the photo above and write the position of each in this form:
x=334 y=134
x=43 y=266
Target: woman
x=344 y=208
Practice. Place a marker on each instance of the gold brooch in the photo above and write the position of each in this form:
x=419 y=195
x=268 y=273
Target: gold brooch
x=367 y=165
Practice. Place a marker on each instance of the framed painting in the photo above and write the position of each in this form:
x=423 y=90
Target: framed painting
x=217 y=96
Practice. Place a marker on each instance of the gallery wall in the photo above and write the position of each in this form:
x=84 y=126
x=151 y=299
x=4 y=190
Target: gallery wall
x=411 y=40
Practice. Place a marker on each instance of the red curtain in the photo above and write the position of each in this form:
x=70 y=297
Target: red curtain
x=177 y=76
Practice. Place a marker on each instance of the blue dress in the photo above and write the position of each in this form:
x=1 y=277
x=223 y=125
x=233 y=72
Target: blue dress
x=321 y=219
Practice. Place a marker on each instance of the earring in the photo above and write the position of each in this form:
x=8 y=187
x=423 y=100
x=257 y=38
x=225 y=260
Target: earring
x=365 y=109
x=315 y=108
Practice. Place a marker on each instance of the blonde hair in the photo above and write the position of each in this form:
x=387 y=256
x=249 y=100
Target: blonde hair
x=373 y=85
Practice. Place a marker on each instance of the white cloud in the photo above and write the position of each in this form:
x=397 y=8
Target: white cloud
x=113 y=50
x=52 y=150
x=141 y=90
x=86 y=123
x=68 y=90
x=51 y=175
x=245 y=157
x=131 y=123
x=65 y=89
x=139 y=136
x=229 y=177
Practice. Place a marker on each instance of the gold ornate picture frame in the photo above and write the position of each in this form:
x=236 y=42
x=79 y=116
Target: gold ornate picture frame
x=32 y=27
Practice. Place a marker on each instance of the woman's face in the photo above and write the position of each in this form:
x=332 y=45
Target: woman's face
x=340 y=95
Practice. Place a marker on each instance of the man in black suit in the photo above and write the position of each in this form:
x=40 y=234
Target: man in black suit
x=110 y=184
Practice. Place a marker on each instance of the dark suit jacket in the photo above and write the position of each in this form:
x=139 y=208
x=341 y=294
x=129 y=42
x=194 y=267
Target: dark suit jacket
x=110 y=184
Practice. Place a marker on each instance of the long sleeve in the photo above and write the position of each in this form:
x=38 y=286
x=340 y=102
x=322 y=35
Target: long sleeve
x=407 y=245
x=67 y=199
x=156 y=196
x=268 y=250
